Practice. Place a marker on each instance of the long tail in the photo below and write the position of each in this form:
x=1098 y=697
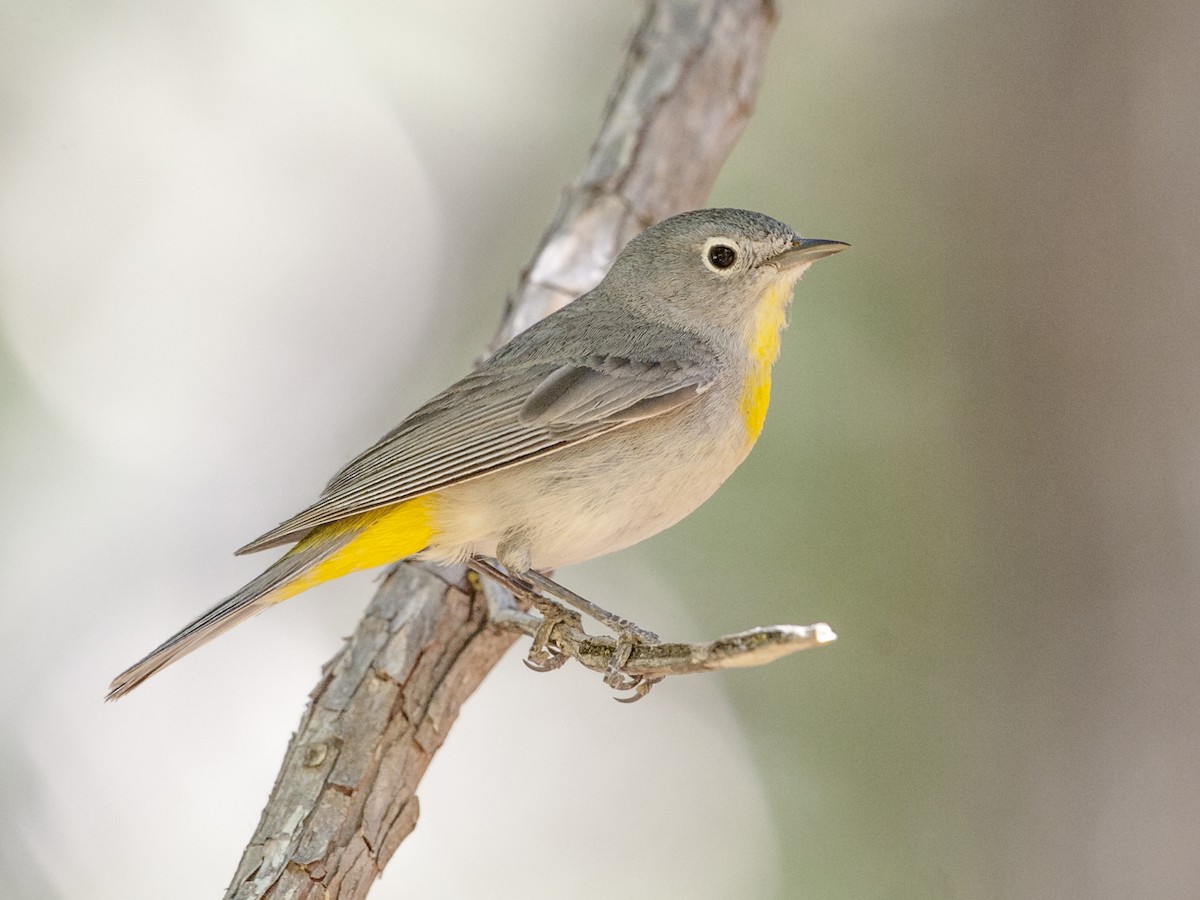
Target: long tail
x=330 y=551
x=267 y=589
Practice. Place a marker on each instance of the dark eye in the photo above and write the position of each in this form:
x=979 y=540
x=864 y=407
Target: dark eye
x=722 y=256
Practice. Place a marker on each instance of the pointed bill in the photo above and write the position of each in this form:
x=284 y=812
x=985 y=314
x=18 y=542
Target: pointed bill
x=805 y=251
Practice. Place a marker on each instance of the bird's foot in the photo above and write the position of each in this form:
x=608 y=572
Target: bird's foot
x=616 y=677
x=543 y=656
x=641 y=689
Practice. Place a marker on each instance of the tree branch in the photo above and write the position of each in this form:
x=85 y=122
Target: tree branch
x=345 y=797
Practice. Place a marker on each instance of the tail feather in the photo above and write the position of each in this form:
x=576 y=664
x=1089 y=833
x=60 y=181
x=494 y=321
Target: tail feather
x=256 y=596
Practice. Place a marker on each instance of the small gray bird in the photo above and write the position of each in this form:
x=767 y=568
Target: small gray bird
x=601 y=425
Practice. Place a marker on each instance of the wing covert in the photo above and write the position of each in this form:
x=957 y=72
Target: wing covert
x=496 y=417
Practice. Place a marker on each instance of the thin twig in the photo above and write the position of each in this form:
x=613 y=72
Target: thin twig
x=558 y=635
x=756 y=647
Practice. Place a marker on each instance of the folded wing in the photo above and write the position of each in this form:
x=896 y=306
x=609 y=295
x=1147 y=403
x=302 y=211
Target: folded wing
x=500 y=416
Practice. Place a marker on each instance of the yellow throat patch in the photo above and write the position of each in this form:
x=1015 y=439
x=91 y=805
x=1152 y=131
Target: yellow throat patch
x=769 y=321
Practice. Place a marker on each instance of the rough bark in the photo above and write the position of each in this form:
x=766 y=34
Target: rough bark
x=345 y=797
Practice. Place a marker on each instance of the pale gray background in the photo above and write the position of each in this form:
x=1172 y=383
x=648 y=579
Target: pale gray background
x=239 y=240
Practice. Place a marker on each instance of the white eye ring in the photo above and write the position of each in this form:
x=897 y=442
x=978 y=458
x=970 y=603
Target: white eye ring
x=721 y=255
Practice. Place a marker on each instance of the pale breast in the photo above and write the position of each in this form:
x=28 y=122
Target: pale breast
x=602 y=495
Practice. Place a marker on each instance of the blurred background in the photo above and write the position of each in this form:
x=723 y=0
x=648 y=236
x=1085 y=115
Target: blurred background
x=239 y=241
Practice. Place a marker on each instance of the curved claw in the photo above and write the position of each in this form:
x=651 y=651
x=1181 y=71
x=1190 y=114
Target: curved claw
x=543 y=657
x=551 y=662
x=642 y=689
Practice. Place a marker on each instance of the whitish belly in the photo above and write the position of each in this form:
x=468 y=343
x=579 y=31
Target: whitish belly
x=591 y=499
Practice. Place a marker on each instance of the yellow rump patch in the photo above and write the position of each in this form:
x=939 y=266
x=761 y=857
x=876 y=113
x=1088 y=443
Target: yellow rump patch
x=387 y=535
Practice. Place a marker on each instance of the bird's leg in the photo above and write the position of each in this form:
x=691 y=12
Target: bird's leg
x=622 y=626
x=542 y=656
x=533 y=585
x=628 y=634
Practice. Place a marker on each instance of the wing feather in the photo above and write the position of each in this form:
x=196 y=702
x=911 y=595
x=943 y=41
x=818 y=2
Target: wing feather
x=495 y=418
